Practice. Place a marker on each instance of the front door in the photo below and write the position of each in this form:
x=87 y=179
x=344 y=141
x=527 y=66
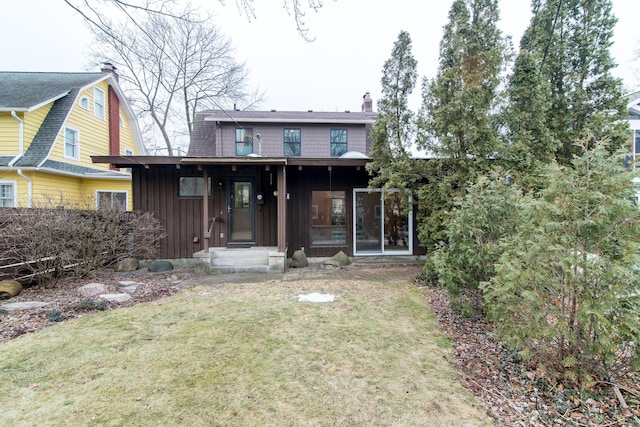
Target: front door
x=241 y=218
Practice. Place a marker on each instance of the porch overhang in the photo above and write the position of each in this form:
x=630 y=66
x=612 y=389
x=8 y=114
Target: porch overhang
x=148 y=161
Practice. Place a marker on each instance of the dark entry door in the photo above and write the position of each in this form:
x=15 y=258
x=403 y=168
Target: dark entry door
x=241 y=218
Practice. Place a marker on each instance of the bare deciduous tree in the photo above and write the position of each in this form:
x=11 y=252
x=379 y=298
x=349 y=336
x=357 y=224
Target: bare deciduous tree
x=171 y=68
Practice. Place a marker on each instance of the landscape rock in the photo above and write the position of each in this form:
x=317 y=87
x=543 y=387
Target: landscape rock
x=127 y=265
x=128 y=286
x=338 y=261
x=159 y=266
x=116 y=297
x=299 y=259
x=92 y=289
x=341 y=259
x=9 y=289
x=24 y=305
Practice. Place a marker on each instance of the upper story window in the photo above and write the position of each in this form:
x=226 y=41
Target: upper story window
x=292 y=145
x=338 y=142
x=7 y=194
x=121 y=119
x=84 y=102
x=71 y=144
x=636 y=147
x=98 y=103
x=244 y=141
x=128 y=152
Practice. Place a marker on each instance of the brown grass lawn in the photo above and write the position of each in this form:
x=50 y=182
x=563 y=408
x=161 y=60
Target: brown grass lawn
x=245 y=354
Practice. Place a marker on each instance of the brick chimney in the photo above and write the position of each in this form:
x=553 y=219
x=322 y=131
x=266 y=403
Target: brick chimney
x=108 y=67
x=367 y=103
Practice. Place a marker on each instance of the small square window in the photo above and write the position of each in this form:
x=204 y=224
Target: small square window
x=84 y=102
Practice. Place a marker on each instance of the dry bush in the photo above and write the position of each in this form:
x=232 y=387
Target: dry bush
x=52 y=242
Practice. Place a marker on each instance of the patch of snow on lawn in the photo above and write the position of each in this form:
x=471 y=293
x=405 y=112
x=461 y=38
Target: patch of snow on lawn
x=316 y=297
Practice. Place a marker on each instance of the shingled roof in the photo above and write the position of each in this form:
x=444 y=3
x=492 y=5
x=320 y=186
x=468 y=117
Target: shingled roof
x=28 y=91
x=24 y=91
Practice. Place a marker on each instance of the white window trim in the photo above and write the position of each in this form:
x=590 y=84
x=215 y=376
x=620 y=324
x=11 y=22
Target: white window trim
x=14 y=184
x=64 y=142
x=126 y=200
x=121 y=120
x=128 y=152
x=95 y=103
x=410 y=231
x=83 y=102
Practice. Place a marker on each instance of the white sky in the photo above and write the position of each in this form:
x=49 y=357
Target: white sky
x=353 y=39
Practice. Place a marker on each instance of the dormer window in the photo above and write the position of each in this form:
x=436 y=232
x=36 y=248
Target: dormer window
x=84 y=102
x=98 y=103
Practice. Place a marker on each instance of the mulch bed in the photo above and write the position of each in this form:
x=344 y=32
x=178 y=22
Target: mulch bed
x=516 y=395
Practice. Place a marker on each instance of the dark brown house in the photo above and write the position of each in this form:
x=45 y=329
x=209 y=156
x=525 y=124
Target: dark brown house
x=275 y=182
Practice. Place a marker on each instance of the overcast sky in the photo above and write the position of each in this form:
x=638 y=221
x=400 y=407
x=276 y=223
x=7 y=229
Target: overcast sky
x=353 y=39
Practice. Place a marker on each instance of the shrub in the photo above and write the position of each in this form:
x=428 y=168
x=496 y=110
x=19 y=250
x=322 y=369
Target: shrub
x=51 y=242
x=566 y=285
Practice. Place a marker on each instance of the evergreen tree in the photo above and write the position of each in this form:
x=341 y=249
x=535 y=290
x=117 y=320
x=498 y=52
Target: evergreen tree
x=394 y=132
x=567 y=45
x=457 y=121
x=566 y=286
x=459 y=103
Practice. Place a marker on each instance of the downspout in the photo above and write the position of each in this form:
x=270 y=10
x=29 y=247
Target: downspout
x=29 y=187
x=20 y=138
x=20 y=154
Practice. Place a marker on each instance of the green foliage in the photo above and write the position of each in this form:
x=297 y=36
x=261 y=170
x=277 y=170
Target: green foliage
x=394 y=131
x=562 y=88
x=567 y=283
x=477 y=226
x=457 y=117
x=90 y=304
x=55 y=316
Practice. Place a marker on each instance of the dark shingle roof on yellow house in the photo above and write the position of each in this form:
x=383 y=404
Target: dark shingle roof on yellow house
x=28 y=91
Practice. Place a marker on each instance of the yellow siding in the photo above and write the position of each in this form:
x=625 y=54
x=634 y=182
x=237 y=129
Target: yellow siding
x=126 y=137
x=93 y=132
x=50 y=190
x=10 y=129
x=8 y=135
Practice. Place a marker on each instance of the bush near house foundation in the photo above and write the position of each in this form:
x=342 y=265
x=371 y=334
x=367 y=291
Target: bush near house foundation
x=46 y=243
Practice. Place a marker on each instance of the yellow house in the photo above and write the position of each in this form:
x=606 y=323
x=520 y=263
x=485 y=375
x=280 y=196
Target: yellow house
x=50 y=126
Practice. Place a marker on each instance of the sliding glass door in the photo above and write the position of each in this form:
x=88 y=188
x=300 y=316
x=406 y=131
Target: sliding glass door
x=383 y=222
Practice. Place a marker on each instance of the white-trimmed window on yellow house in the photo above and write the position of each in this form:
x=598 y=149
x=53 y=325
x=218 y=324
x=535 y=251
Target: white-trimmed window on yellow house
x=71 y=143
x=111 y=199
x=98 y=103
x=128 y=152
x=84 y=102
x=8 y=194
